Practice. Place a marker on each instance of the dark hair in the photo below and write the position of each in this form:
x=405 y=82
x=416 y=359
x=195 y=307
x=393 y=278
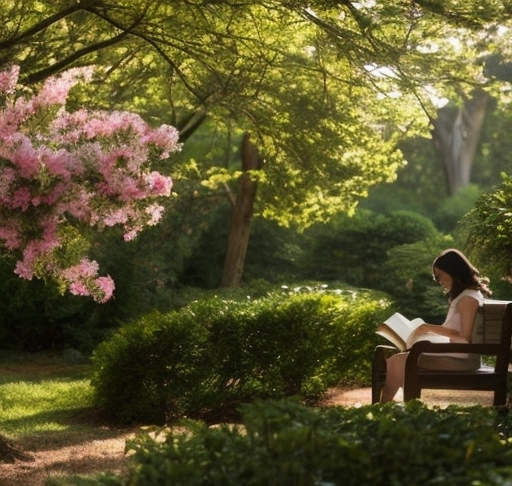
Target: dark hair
x=463 y=273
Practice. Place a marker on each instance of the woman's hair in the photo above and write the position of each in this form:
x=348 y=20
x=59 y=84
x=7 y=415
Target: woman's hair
x=463 y=273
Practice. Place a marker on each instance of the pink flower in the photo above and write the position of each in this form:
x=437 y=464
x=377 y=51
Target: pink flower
x=11 y=237
x=21 y=198
x=55 y=90
x=79 y=288
x=90 y=167
x=8 y=79
x=159 y=184
x=166 y=138
x=155 y=212
x=106 y=286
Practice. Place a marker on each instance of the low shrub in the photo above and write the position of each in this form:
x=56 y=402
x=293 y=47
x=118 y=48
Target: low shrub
x=285 y=443
x=212 y=355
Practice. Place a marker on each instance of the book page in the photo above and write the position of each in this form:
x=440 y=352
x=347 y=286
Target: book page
x=429 y=336
x=397 y=329
x=388 y=333
x=401 y=325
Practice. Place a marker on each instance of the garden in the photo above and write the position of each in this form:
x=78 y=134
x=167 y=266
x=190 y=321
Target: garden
x=206 y=208
x=234 y=392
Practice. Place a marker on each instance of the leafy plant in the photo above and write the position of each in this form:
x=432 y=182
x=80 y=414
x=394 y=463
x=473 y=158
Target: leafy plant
x=212 y=355
x=488 y=229
x=284 y=442
x=59 y=169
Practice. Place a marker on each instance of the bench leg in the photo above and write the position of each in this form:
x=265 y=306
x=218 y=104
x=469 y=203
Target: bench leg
x=500 y=396
x=379 y=371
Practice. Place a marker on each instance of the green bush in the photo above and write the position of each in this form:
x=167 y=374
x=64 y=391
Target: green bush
x=453 y=208
x=353 y=249
x=212 y=355
x=409 y=282
x=148 y=369
x=285 y=443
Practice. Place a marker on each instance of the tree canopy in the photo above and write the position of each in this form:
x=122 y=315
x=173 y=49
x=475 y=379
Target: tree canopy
x=303 y=78
x=323 y=90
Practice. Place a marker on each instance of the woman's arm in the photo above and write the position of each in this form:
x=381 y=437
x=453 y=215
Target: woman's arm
x=467 y=307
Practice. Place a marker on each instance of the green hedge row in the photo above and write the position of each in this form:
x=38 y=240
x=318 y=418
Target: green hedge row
x=285 y=443
x=212 y=355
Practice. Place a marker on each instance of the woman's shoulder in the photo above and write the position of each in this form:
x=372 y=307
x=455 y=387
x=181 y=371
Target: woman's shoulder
x=473 y=293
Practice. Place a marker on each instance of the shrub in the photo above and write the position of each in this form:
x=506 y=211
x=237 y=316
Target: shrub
x=409 y=283
x=285 y=443
x=148 y=369
x=354 y=249
x=210 y=356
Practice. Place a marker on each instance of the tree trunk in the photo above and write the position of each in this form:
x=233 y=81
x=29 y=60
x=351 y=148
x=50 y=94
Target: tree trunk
x=457 y=140
x=10 y=453
x=241 y=217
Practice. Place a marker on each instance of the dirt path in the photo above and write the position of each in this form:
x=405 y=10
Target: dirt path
x=107 y=455
x=441 y=398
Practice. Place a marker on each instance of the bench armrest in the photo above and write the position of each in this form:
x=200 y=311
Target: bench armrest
x=440 y=348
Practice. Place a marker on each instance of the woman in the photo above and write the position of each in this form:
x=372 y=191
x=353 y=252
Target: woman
x=465 y=289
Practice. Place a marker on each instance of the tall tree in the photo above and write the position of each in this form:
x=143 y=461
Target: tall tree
x=300 y=77
x=456 y=134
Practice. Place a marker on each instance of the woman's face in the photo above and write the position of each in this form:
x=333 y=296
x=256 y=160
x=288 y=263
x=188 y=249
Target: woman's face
x=444 y=279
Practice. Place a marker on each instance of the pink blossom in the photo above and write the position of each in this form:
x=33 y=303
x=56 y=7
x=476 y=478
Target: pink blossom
x=159 y=184
x=57 y=162
x=132 y=233
x=21 y=198
x=8 y=79
x=166 y=138
x=117 y=216
x=7 y=177
x=106 y=286
x=155 y=212
x=55 y=90
x=88 y=166
x=79 y=288
x=10 y=236
x=24 y=156
x=86 y=268
x=24 y=270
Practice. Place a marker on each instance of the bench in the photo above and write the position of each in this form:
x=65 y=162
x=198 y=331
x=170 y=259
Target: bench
x=491 y=338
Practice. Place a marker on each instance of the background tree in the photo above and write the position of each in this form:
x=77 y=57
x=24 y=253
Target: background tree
x=314 y=85
x=246 y=43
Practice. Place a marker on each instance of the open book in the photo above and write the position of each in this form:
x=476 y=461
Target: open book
x=397 y=330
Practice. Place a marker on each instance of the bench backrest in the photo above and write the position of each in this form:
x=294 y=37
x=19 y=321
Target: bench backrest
x=490 y=327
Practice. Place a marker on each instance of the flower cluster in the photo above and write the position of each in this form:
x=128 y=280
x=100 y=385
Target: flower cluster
x=58 y=168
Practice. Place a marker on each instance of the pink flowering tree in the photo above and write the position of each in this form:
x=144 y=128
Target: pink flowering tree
x=60 y=170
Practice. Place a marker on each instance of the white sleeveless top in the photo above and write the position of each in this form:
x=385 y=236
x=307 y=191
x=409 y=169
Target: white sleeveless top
x=452 y=320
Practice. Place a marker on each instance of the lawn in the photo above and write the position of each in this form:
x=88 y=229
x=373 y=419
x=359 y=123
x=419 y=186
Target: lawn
x=45 y=405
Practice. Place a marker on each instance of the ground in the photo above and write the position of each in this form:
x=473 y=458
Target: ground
x=107 y=454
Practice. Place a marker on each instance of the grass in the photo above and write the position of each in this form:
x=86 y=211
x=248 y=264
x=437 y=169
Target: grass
x=40 y=394
x=46 y=410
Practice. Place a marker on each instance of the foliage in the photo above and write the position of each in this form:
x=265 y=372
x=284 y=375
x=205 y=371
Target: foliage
x=60 y=169
x=419 y=187
x=214 y=354
x=274 y=254
x=408 y=282
x=151 y=69
x=451 y=210
x=336 y=251
x=488 y=229
x=286 y=443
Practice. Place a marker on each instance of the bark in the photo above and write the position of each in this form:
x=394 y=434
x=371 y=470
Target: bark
x=10 y=453
x=457 y=139
x=241 y=217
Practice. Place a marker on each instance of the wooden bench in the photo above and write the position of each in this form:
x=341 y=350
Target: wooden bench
x=491 y=338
